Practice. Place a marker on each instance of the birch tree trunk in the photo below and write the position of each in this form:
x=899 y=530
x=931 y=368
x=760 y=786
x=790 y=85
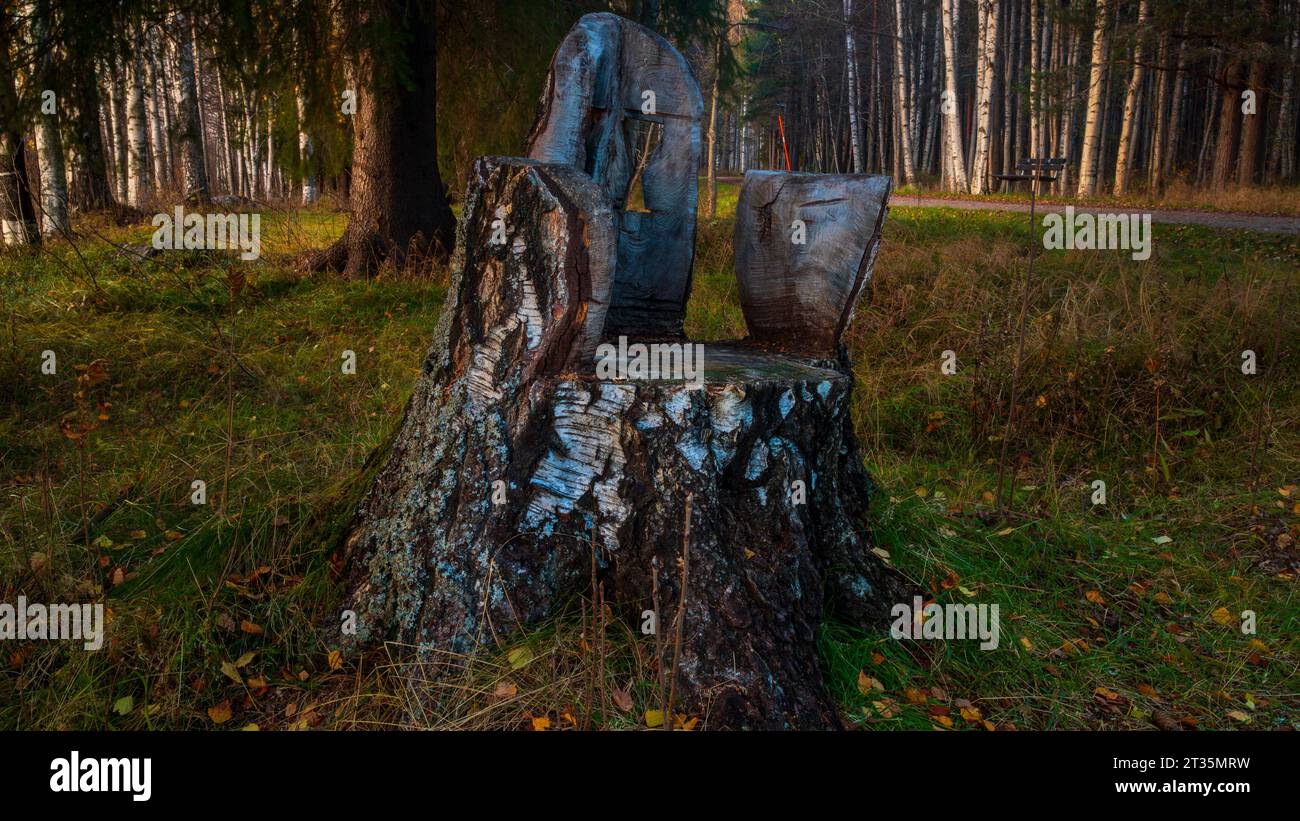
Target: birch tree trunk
x=988 y=10
x=934 y=82
x=190 y=133
x=711 y=136
x=1125 y=153
x=117 y=101
x=954 y=156
x=1035 y=66
x=49 y=145
x=1176 y=106
x=1093 y=125
x=305 y=150
x=157 y=115
x=1010 y=109
x=851 y=66
x=902 y=102
x=878 y=99
x=1281 y=158
x=1070 y=116
x=18 y=224
x=226 y=143
x=137 y=167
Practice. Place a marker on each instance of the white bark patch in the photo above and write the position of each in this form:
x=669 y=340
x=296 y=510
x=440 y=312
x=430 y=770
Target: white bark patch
x=590 y=458
x=730 y=414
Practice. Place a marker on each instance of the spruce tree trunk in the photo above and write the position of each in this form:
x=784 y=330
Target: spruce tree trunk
x=1160 y=136
x=1226 y=145
x=398 y=204
x=92 y=187
x=1252 y=126
x=1176 y=107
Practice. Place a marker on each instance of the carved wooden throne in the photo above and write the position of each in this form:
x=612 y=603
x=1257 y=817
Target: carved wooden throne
x=515 y=464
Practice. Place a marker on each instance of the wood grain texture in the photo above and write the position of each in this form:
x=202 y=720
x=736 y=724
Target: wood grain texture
x=801 y=297
x=594 y=90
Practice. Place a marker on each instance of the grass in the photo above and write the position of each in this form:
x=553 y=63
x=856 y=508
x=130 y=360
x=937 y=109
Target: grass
x=187 y=367
x=1178 y=195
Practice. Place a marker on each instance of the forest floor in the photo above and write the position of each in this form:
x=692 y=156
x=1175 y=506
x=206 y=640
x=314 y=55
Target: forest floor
x=1118 y=615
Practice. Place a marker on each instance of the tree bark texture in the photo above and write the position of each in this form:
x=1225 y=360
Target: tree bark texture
x=398 y=207
x=507 y=395
x=610 y=80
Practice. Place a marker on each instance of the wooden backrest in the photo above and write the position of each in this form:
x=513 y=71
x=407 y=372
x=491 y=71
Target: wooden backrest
x=621 y=105
x=805 y=246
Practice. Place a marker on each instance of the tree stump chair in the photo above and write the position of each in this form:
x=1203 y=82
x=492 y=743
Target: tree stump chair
x=521 y=460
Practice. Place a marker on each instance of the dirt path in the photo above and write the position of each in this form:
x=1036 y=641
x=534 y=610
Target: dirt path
x=1260 y=223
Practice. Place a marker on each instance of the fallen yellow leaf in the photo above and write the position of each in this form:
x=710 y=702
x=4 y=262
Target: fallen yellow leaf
x=868 y=683
x=1108 y=694
x=519 y=657
x=231 y=672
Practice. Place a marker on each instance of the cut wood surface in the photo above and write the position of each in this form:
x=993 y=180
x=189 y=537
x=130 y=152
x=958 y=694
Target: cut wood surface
x=595 y=94
x=805 y=245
